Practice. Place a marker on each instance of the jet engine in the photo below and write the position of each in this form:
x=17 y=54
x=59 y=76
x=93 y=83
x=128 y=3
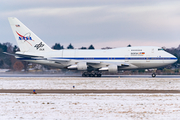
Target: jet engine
x=78 y=66
x=82 y=66
x=110 y=68
x=113 y=68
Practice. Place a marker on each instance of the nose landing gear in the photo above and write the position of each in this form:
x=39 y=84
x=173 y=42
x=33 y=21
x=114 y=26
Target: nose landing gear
x=154 y=75
x=91 y=74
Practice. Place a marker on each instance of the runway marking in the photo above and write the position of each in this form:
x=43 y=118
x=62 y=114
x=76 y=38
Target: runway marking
x=70 y=91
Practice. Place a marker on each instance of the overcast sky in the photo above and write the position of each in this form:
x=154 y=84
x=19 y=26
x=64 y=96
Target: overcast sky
x=113 y=23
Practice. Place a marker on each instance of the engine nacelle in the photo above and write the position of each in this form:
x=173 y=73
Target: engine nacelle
x=113 y=68
x=82 y=66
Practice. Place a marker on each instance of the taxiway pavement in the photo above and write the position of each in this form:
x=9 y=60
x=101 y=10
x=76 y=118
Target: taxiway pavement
x=75 y=91
x=78 y=75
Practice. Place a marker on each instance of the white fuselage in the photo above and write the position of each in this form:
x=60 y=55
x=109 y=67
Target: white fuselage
x=135 y=57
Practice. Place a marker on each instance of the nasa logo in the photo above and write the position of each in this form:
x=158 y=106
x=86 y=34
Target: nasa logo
x=26 y=37
x=39 y=46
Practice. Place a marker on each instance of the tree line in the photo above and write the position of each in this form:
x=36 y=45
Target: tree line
x=58 y=46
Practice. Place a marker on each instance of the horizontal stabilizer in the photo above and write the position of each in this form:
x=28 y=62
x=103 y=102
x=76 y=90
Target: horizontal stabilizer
x=25 y=56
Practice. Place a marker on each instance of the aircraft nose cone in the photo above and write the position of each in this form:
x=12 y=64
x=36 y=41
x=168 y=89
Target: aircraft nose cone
x=174 y=58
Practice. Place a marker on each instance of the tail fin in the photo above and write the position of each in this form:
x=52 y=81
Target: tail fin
x=26 y=39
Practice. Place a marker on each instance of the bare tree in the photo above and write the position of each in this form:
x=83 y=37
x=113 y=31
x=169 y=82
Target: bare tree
x=18 y=66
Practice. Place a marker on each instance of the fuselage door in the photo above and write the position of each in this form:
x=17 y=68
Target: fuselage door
x=127 y=55
x=152 y=50
x=147 y=58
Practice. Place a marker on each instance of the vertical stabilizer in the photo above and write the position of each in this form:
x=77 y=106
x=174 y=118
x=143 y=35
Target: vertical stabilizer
x=26 y=39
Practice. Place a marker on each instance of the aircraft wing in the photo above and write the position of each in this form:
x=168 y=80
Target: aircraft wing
x=107 y=63
x=58 y=60
x=71 y=63
x=104 y=66
x=95 y=64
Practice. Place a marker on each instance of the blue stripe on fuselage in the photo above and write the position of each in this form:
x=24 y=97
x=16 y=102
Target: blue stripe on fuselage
x=106 y=58
x=117 y=58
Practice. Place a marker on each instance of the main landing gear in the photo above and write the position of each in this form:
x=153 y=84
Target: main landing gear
x=154 y=75
x=91 y=74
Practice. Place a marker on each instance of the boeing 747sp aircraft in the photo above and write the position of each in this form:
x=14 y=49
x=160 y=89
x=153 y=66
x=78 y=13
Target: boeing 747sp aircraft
x=91 y=62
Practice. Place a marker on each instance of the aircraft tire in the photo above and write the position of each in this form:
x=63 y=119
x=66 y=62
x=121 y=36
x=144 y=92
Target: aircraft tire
x=85 y=74
x=153 y=75
x=90 y=75
x=98 y=75
x=93 y=75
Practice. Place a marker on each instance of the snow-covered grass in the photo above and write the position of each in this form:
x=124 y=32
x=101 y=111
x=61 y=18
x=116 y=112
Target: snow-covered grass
x=90 y=106
x=89 y=83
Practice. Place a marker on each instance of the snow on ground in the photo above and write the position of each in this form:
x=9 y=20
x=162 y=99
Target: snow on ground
x=89 y=83
x=90 y=106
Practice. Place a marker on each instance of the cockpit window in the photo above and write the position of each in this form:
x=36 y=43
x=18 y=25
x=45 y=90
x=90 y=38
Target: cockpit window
x=160 y=49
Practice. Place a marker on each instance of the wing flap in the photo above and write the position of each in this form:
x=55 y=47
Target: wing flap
x=121 y=64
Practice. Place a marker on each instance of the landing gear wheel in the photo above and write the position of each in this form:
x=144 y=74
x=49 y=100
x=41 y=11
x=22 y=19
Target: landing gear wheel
x=98 y=75
x=91 y=74
x=153 y=75
x=84 y=74
x=95 y=75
